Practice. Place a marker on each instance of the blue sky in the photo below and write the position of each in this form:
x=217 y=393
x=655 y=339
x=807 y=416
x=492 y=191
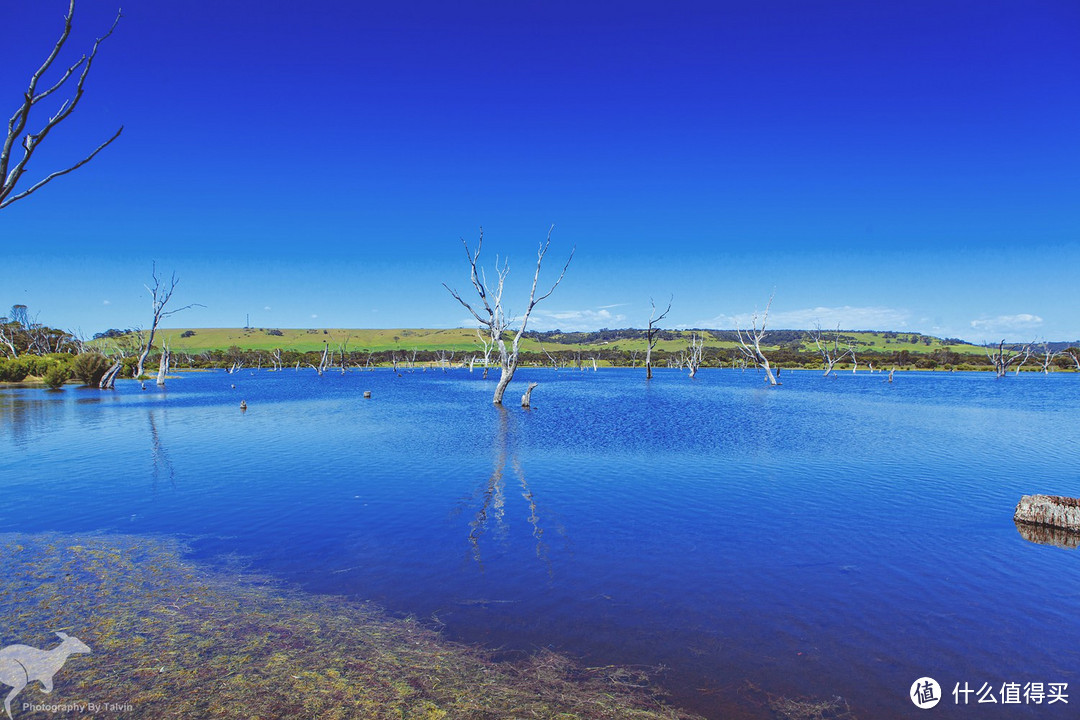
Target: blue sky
x=878 y=165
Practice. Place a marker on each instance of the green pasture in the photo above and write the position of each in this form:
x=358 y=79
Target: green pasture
x=465 y=340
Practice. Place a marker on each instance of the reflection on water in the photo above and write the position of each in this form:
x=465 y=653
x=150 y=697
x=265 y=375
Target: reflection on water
x=1046 y=535
x=491 y=515
x=161 y=463
x=26 y=415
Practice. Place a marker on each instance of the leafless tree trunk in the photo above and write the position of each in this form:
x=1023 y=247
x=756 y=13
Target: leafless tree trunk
x=830 y=355
x=1047 y=358
x=650 y=334
x=750 y=344
x=694 y=353
x=160 y=295
x=163 y=364
x=1003 y=357
x=493 y=318
x=891 y=373
x=633 y=358
x=526 y=399
x=11 y=174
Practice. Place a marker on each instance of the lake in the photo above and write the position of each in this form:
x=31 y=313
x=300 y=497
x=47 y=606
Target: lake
x=837 y=536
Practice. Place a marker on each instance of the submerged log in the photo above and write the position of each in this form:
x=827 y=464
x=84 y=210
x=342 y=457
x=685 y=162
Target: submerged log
x=1050 y=511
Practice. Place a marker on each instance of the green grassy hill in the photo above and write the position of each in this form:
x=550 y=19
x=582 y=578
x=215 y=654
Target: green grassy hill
x=196 y=340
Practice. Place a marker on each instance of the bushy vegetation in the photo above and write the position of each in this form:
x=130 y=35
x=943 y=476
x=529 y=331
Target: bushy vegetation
x=55 y=377
x=14 y=369
x=90 y=367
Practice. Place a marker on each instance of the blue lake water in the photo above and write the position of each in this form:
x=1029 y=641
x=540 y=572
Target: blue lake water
x=831 y=537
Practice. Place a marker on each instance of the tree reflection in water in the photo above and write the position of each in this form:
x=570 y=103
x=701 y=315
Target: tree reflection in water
x=159 y=455
x=491 y=516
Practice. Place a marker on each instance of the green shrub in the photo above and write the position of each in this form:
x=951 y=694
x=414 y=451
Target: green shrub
x=38 y=365
x=90 y=367
x=14 y=369
x=56 y=376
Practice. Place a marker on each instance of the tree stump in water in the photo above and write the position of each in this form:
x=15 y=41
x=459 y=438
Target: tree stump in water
x=1050 y=511
x=527 y=397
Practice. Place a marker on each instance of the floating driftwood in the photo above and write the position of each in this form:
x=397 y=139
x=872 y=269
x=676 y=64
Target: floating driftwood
x=1049 y=511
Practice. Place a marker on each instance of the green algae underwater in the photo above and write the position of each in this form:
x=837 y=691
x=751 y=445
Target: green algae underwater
x=174 y=639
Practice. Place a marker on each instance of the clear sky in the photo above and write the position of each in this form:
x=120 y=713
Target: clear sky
x=895 y=165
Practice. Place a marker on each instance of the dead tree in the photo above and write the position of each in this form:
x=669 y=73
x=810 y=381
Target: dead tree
x=160 y=295
x=1003 y=357
x=651 y=333
x=493 y=317
x=750 y=344
x=830 y=354
x=694 y=353
x=554 y=361
x=488 y=344
x=1047 y=358
x=12 y=172
x=163 y=364
x=526 y=399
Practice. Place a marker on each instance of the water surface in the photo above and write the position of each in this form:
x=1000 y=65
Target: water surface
x=831 y=537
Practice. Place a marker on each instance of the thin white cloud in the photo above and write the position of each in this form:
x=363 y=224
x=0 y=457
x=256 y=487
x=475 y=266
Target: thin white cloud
x=847 y=317
x=107 y=302
x=313 y=316
x=1008 y=327
x=267 y=308
x=576 y=320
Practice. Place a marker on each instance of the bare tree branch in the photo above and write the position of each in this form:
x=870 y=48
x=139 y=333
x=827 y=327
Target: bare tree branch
x=11 y=175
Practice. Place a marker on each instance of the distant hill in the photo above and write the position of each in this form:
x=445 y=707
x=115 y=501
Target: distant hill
x=196 y=340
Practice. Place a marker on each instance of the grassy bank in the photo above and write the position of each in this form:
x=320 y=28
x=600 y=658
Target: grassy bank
x=172 y=640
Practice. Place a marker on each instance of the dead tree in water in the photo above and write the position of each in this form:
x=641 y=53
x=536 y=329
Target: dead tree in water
x=650 y=335
x=526 y=399
x=750 y=345
x=831 y=355
x=1047 y=358
x=488 y=344
x=108 y=380
x=550 y=357
x=163 y=363
x=493 y=317
x=324 y=361
x=10 y=175
x=160 y=294
x=694 y=353
x=1003 y=357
